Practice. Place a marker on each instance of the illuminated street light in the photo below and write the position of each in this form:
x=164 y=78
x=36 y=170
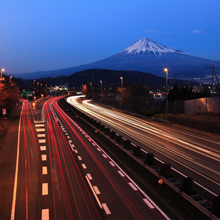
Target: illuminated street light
x=166 y=71
x=121 y=81
x=2 y=79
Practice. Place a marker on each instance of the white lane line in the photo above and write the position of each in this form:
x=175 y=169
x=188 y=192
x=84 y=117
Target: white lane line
x=40 y=129
x=39 y=125
x=42 y=148
x=132 y=186
x=66 y=134
x=45 y=214
x=98 y=149
x=44 y=157
x=107 y=211
x=80 y=158
x=16 y=170
x=44 y=170
x=148 y=204
x=41 y=135
x=68 y=137
x=104 y=155
x=89 y=176
x=112 y=163
x=84 y=166
x=42 y=141
x=44 y=189
x=96 y=197
x=76 y=151
x=122 y=175
x=96 y=190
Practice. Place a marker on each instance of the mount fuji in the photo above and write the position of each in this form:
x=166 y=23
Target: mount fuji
x=146 y=56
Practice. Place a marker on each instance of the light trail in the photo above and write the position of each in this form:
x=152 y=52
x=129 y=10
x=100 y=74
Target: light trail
x=175 y=145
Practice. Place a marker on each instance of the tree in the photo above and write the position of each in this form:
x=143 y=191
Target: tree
x=10 y=94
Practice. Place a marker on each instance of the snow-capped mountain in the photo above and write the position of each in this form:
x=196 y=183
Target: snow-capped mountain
x=146 y=45
x=147 y=56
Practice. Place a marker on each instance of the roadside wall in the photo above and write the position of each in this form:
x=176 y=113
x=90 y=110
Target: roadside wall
x=202 y=105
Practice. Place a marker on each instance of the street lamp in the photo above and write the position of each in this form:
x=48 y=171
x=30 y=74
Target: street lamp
x=91 y=89
x=121 y=81
x=101 y=87
x=10 y=79
x=166 y=71
x=2 y=79
x=34 y=85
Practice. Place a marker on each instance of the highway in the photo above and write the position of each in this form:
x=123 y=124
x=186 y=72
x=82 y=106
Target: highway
x=85 y=182
x=194 y=155
x=58 y=171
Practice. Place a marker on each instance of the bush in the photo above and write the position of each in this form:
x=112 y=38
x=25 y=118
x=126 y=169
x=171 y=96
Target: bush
x=107 y=131
x=188 y=185
x=102 y=128
x=118 y=139
x=137 y=151
x=165 y=170
x=127 y=144
x=98 y=125
x=216 y=206
x=149 y=159
x=112 y=134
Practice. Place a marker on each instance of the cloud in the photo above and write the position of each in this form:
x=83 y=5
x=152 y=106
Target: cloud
x=196 y=32
x=157 y=31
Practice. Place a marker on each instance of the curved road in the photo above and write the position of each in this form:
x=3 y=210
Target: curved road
x=192 y=154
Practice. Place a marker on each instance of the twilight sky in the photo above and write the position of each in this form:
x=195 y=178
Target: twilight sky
x=54 y=34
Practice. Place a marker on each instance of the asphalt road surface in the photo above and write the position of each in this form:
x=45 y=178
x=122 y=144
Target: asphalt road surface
x=192 y=154
x=52 y=169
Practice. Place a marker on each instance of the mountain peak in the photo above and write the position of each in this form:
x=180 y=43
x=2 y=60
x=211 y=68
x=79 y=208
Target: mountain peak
x=146 y=45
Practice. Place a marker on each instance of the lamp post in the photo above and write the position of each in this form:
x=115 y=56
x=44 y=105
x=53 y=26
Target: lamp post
x=121 y=81
x=2 y=79
x=91 y=89
x=101 y=88
x=166 y=71
x=10 y=79
x=34 y=85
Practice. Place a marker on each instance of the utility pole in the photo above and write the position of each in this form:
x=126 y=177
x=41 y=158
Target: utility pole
x=212 y=68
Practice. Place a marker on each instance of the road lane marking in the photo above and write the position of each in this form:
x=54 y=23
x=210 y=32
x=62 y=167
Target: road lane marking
x=96 y=190
x=44 y=170
x=84 y=166
x=89 y=176
x=40 y=129
x=16 y=170
x=148 y=204
x=107 y=211
x=39 y=125
x=112 y=163
x=96 y=197
x=41 y=135
x=104 y=155
x=122 y=175
x=42 y=148
x=44 y=157
x=98 y=149
x=44 y=189
x=76 y=151
x=45 y=214
x=132 y=186
x=80 y=158
x=42 y=141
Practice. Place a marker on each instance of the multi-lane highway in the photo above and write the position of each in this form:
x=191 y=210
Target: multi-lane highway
x=59 y=172
x=195 y=155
